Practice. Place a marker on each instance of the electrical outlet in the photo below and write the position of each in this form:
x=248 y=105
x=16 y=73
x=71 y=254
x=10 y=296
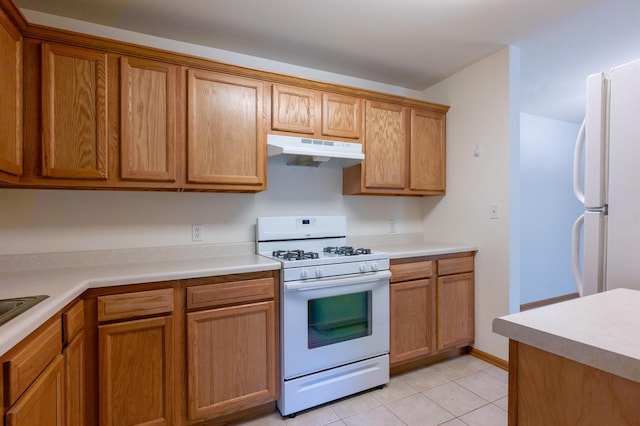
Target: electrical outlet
x=392 y=226
x=197 y=233
x=494 y=211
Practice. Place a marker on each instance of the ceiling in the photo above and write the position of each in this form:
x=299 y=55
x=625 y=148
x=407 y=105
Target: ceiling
x=407 y=43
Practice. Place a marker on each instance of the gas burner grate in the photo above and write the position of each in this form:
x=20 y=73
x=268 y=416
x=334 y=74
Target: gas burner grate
x=295 y=254
x=346 y=251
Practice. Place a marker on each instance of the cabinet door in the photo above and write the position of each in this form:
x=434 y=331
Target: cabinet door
x=43 y=403
x=455 y=301
x=226 y=141
x=11 y=99
x=293 y=109
x=74 y=380
x=136 y=372
x=385 y=146
x=74 y=113
x=341 y=116
x=412 y=307
x=427 y=168
x=231 y=358
x=147 y=120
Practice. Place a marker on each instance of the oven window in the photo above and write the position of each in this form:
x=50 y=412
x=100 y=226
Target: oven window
x=339 y=318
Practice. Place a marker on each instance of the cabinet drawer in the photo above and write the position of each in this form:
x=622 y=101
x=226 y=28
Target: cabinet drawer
x=23 y=368
x=213 y=295
x=411 y=271
x=73 y=321
x=137 y=304
x=456 y=265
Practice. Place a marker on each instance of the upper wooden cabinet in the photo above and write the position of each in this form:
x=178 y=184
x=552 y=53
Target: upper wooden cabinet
x=147 y=120
x=311 y=113
x=404 y=152
x=385 y=148
x=79 y=111
x=226 y=146
x=427 y=155
x=293 y=109
x=341 y=116
x=74 y=112
x=10 y=100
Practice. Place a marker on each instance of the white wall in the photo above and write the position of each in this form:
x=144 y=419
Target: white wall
x=548 y=207
x=482 y=113
x=41 y=221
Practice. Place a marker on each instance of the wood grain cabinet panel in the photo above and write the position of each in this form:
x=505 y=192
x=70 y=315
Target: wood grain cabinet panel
x=411 y=270
x=74 y=113
x=10 y=100
x=427 y=153
x=293 y=109
x=74 y=363
x=147 y=120
x=23 y=368
x=226 y=146
x=341 y=116
x=231 y=359
x=455 y=301
x=412 y=320
x=430 y=312
x=136 y=372
x=135 y=304
x=221 y=294
x=43 y=404
x=74 y=373
x=547 y=389
x=400 y=161
x=385 y=146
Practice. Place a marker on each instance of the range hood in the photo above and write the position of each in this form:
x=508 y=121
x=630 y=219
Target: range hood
x=314 y=152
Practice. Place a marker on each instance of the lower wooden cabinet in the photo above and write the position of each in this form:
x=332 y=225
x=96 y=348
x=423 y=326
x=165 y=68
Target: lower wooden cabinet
x=431 y=306
x=74 y=352
x=43 y=403
x=230 y=358
x=136 y=379
x=136 y=359
x=231 y=345
x=169 y=353
x=74 y=367
x=455 y=300
x=412 y=310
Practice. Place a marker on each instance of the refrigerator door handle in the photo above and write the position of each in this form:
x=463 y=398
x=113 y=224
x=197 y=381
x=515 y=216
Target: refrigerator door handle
x=575 y=254
x=577 y=163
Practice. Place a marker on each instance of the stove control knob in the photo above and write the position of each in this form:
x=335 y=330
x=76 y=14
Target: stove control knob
x=304 y=274
x=374 y=266
x=363 y=267
x=318 y=272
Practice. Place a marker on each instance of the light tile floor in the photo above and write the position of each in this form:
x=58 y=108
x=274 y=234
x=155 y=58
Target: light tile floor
x=457 y=392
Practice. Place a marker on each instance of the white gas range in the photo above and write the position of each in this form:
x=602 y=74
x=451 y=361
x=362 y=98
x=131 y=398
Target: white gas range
x=334 y=310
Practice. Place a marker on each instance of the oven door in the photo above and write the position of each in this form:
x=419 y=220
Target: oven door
x=334 y=321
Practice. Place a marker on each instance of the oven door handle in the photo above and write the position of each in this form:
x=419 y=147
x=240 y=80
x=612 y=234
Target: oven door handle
x=336 y=282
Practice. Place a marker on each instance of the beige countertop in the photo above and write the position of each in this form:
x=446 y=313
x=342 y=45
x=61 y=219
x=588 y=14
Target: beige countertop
x=399 y=251
x=600 y=330
x=65 y=276
x=63 y=285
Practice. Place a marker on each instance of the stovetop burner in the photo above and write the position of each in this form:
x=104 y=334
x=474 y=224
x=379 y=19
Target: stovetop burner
x=295 y=254
x=346 y=251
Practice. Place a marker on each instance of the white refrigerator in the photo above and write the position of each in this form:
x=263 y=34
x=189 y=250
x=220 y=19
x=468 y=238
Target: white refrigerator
x=607 y=182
